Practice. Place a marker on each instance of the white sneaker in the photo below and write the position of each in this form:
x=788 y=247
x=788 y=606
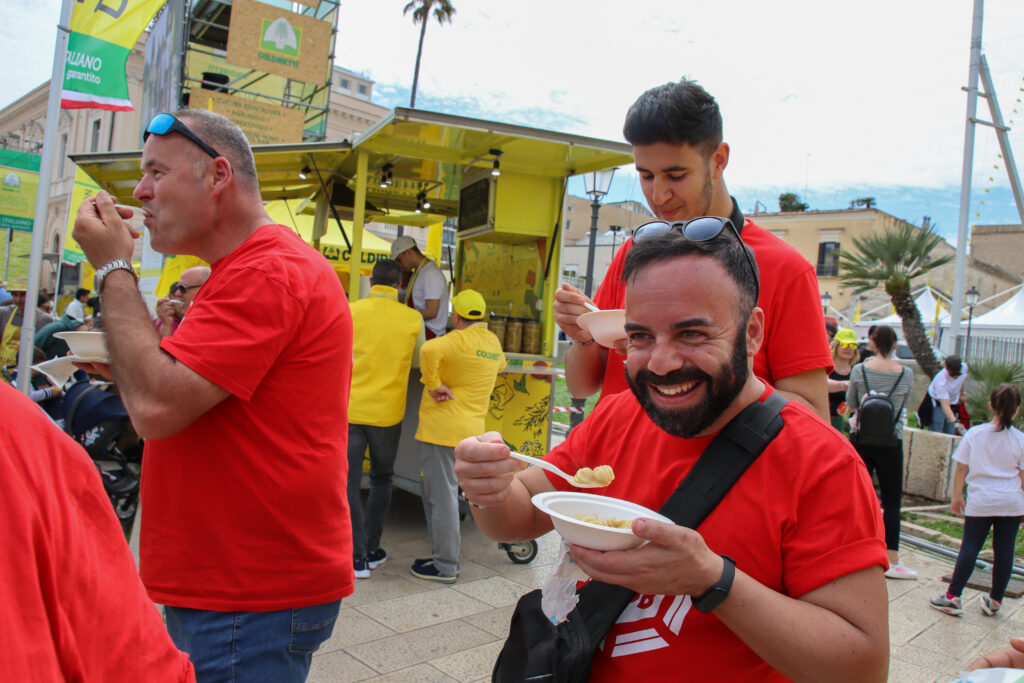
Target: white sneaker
x=900 y=571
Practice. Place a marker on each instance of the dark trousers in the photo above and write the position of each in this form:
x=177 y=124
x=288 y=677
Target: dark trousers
x=887 y=463
x=1004 y=534
x=368 y=525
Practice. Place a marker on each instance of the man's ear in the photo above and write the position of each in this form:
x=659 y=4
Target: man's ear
x=221 y=174
x=755 y=331
x=719 y=160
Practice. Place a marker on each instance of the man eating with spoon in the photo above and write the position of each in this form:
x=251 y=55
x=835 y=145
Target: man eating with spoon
x=783 y=580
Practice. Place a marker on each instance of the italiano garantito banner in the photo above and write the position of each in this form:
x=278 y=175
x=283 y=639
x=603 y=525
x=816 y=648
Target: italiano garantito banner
x=103 y=33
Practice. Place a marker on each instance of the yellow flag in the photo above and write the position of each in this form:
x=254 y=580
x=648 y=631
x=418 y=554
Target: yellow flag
x=102 y=36
x=856 y=314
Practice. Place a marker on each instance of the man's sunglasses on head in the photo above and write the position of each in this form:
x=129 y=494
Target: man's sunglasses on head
x=165 y=124
x=702 y=229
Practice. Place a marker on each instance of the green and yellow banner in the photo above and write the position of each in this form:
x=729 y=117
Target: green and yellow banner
x=103 y=34
x=19 y=182
x=83 y=188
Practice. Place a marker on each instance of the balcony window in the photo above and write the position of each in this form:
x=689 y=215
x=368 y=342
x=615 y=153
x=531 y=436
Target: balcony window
x=828 y=259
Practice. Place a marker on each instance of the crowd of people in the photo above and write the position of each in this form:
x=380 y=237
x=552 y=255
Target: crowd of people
x=256 y=427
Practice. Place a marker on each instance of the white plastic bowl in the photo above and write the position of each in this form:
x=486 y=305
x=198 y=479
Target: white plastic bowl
x=563 y=506
x=86 y=345
x=606 y=327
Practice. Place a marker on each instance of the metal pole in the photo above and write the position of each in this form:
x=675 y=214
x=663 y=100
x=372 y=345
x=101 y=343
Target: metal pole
x=595 y=209
x=35 y=262
x=960 y=267
x=967 y=342
x=1001 y=135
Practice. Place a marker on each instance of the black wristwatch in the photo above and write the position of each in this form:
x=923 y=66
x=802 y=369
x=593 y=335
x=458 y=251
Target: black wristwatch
x=713 y=597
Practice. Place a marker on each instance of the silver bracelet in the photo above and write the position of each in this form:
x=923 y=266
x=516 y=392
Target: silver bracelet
x=577 y=342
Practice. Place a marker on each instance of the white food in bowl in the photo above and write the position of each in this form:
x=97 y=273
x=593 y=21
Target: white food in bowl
x=566 y=507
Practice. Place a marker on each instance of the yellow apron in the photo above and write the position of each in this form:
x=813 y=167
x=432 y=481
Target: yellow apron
x=10 y=343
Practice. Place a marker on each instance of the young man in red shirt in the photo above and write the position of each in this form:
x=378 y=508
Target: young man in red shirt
x=784 y=579
x=246 y=537
x=676 y=133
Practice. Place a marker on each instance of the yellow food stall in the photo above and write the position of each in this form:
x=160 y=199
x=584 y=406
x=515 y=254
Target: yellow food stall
x=498 y=187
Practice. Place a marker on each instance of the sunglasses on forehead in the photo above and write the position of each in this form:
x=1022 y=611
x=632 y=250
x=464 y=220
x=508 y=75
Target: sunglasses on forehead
x=165 y=124
x=702 y=229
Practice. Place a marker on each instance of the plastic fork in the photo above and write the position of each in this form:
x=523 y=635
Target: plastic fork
x=543 y=464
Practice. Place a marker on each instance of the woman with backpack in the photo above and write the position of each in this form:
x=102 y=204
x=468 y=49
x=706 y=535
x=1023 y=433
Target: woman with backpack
x=990 y=460
x=879 y=391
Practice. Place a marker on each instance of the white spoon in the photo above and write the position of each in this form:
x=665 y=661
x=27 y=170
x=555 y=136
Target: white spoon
x=544 y=464
x=592 y=307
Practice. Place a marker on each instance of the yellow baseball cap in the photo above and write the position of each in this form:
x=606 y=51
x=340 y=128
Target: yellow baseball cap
x=469 y=304
x=846 y=336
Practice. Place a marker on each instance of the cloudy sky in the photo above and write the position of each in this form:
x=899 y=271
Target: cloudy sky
x=830 y=103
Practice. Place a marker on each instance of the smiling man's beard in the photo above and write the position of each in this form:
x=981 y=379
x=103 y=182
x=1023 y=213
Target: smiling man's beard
x=719 y=392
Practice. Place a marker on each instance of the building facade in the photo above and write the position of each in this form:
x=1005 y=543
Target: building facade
x=94 y=130
x=820 y=235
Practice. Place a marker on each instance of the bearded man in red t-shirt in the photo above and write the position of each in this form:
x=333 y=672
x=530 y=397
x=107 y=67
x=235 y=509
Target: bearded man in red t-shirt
x=784 y=578
x=246 y=537
x=676 y=133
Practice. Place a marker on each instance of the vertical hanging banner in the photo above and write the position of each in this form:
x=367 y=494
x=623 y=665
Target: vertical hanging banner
x=94 y=69
x=19 y=182
x=83 y=188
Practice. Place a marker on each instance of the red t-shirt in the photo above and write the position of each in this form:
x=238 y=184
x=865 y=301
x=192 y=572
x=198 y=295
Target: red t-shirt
x=794 y=336
x=73 y=606
x=802 y=515
x=245 y=509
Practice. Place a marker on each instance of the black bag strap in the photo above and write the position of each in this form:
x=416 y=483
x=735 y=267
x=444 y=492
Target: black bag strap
x=720 y=466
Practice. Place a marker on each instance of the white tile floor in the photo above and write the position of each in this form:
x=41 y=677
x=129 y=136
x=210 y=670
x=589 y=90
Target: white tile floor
x=400 y=628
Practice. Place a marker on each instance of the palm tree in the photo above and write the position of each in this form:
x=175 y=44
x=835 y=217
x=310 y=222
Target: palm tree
x=895 y=258
x=443 y=11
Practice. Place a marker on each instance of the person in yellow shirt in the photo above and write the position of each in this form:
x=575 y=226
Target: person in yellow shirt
x=386 y=337
x=459 y=370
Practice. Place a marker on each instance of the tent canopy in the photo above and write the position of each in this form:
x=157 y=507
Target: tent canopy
x=332 y=245
x=1010 y=313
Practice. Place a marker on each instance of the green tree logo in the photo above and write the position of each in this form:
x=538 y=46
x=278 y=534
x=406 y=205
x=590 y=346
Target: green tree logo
x=280 y=37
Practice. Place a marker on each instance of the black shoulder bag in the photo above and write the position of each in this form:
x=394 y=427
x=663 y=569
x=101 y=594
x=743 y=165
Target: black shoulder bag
x=537 y=650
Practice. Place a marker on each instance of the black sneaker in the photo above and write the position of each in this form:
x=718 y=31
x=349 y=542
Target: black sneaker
x=376 y=558
x=428 y=571
x=361 y=570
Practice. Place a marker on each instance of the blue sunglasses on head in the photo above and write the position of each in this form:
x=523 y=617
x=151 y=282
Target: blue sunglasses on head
x=165 y=124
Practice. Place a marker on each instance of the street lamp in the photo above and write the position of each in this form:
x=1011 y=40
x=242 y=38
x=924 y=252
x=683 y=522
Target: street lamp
x=971 y=296
x=616 y=229
x=826 y=301
x=596 y=184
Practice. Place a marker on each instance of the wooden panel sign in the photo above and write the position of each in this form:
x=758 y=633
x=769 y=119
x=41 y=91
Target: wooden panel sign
x=279 y=42
x=263 y=123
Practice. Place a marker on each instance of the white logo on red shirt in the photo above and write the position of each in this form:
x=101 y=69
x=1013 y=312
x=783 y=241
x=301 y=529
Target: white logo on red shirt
x=647 y=624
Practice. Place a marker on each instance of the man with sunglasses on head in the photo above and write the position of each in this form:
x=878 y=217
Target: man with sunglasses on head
x=171 y=309
x=783 y=579
x=246 y=537
x=676 y=133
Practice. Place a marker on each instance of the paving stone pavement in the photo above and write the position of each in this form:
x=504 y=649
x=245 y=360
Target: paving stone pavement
x=396 y=627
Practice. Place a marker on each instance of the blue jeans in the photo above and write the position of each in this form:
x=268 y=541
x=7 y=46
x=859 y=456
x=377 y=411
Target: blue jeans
x=251 y=646
x=383 y=443
x=939 y=422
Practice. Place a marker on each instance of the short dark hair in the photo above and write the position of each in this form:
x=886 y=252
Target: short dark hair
x=82 y=291
x=884 y=338
x=386 y=272
x=724 y=249
x=42 y=298
x=677 y=113
x=954 y=365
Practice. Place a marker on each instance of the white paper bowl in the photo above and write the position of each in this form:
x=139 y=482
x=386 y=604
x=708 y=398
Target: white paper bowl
x=606 y=327
x=86 y=345
x=563 y=506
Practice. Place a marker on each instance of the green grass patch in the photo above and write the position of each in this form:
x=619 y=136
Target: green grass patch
x=956 y=530
x=564 y=400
